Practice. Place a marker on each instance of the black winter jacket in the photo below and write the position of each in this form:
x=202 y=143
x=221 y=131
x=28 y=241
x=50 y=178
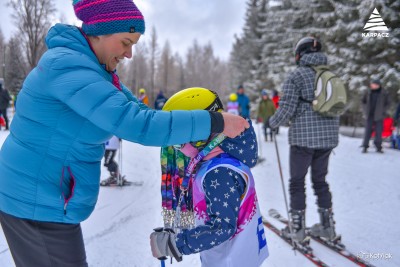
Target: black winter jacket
x=4 y=98
x=381 y=106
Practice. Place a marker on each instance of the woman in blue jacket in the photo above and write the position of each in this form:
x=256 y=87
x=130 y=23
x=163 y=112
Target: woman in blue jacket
x=69 y=105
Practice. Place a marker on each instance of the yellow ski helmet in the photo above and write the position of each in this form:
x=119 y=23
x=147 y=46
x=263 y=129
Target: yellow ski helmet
x=233 y=97
x=194 y=98
x=142 y=91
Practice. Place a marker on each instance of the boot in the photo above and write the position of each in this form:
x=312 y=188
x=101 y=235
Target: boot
x=326 y=228
x=120 y=179
x=298 y=224
x=109 y=181
x=112 y=180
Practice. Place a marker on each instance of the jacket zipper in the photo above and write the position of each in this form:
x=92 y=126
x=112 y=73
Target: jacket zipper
x=71 y=188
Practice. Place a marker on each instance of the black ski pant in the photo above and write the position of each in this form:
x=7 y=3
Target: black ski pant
x=44 y=244
x=109 y=161
x=265 y=128
x=371 y=125
x=301 y=159
x=4 y=113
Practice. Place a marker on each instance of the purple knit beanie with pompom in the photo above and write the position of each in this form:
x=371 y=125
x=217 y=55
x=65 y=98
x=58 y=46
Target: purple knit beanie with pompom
x=101 y=17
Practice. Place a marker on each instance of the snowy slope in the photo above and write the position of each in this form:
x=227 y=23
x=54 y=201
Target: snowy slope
x=365 y=191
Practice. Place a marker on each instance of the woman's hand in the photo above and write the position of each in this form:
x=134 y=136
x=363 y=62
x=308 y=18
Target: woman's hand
x=234 y=125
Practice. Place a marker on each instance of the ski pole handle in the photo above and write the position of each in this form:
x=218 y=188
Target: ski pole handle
x=163 y=258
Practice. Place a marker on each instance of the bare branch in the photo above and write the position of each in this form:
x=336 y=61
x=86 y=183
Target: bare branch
x=33 y=20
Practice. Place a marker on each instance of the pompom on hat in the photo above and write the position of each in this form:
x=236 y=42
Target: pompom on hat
x=101 y=17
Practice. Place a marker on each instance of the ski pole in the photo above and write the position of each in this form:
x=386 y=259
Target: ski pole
x=120 y=155
x=259 y=145
x=259 y=139
x=283 y=188
x=119 y=178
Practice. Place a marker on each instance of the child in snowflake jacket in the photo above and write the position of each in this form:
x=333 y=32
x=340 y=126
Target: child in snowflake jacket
x=229 y=229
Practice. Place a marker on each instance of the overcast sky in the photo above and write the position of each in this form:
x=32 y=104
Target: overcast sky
x=179 y=21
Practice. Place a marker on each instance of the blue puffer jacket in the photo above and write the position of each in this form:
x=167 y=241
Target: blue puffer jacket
x=67 y=108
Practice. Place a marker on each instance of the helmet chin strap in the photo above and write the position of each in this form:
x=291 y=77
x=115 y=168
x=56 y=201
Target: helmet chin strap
x=297 y=58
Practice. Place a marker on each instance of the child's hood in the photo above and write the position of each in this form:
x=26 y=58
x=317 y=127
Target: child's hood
x=243 y=147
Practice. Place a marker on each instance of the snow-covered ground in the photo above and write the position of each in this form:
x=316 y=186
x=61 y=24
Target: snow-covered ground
x=366 y=196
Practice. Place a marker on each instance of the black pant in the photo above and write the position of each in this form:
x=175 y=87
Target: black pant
x=43 y=244
x=109 y=161
x=370 y=124
x=266 y=127
x=4 y=113
x=301 y=158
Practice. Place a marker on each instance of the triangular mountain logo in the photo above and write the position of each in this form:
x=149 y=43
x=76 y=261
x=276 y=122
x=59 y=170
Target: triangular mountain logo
x=375 y=22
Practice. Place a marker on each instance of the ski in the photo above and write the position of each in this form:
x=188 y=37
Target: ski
x=305 y=250
x=122 y=182
x=336 y=246
x=127 y=183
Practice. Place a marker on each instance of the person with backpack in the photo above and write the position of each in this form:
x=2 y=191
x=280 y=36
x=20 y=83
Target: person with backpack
x=228 y=228
x=375 y=103
x=266 y=109
x=312 y=136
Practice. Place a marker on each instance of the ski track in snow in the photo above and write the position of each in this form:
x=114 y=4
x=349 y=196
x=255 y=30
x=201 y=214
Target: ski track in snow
x=110 y=230
x=366 y=202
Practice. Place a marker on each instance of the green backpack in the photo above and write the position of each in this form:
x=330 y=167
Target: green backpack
x=330 y=94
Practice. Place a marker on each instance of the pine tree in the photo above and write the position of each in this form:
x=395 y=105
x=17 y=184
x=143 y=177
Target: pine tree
x=339 y=25
x=360 y=59
x=245 y=56
x=276 y=51
x=258 y=81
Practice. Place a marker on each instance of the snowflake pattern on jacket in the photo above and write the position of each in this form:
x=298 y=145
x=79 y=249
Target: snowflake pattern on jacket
x=224 y=188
